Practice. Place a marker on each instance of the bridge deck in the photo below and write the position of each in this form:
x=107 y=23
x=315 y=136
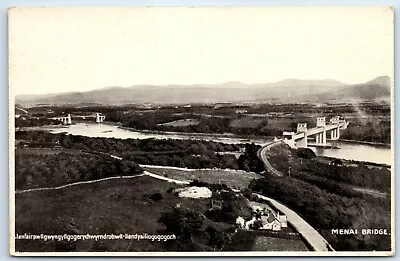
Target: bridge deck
x=316 y=130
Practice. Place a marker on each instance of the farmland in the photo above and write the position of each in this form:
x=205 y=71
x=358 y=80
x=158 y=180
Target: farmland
x=116 y=206
x=278 y=244
x=237 y=179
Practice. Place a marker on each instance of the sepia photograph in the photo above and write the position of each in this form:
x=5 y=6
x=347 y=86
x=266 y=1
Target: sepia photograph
x=201 y=131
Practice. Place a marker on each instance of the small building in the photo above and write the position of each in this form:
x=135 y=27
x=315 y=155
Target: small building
x=256 y=209
x=283 y=220
x=270 y=222
x=249 y=224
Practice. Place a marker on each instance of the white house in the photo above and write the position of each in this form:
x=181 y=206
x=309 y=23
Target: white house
x=282 y=219
x=249 y=223
x=270 y=222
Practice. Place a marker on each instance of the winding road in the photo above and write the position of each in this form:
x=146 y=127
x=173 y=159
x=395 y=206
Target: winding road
x=262 y=154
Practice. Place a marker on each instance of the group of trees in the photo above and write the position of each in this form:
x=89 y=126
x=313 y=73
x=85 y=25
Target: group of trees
x=360 y=176
x=34 y=122
x=372 y=131
x=34 y=170
x=192 y=232
x=249 y=161
x=306 y=166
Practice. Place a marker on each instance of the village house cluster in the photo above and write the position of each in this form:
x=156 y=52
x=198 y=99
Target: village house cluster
x=263 y=218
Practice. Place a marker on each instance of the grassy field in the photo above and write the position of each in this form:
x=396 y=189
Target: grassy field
x=263 y=243
x=253 y=241
x=114 y=206
x=235 y=179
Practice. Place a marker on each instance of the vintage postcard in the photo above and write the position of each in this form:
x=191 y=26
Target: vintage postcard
x=201 y=131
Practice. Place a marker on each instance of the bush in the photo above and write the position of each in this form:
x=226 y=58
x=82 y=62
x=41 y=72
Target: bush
x=183 y=223
x=156 y=197
x=33 y=169
x=247 y=192
x=217 y=239
x=305 y=153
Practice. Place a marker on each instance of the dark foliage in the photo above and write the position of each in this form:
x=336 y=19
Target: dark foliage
x=50 y=170
x=249 y=161
x=156 y=197
x=185 y=224
x=305 y=153
x=34 y=122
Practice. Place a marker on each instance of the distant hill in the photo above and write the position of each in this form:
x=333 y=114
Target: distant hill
x=289 y=90
x=378 y=88
x=302 y=83
x=383 y=81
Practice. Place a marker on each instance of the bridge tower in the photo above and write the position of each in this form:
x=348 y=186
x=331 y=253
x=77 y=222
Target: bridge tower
x=301 y=127
x=320 y=138
x=335 y=120
x=97 y=117
x=335 y=133
x=69 y=121
x=100 y=118
x=321 y=121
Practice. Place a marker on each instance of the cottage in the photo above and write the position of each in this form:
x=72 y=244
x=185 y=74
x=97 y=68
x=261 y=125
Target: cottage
x=276 y=225
x=256 y=209
x=271 y=222
x=249 y=223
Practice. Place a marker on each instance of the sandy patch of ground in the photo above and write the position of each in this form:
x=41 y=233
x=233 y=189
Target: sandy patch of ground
x=194 y=192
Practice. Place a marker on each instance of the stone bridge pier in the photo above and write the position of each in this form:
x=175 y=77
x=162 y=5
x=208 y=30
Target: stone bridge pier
x=100 y=118
x=64 y=120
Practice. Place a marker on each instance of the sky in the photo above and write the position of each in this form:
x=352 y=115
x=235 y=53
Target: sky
x=80 y=49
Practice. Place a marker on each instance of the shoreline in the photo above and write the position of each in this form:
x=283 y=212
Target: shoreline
x=348 y=161
x=377 y=144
